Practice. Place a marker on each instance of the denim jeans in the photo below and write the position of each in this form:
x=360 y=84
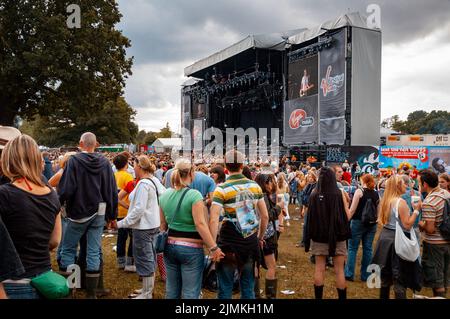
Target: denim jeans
x=20 y=291
x=225 y=280
x=184 y=268
x=366 y=235
x=63 y=230
x=93 y=230
x=122 y=235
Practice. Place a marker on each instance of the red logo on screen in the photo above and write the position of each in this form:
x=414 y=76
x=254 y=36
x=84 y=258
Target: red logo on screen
x=299 y=118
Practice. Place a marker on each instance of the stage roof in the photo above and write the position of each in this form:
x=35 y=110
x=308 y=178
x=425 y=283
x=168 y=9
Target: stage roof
x=276 y=41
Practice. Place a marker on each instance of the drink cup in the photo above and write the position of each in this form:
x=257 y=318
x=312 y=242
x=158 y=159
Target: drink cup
x=415 y=199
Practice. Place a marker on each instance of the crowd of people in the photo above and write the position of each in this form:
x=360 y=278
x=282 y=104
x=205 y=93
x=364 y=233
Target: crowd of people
x=179 y=216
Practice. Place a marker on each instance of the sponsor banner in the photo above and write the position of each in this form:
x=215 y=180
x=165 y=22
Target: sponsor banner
x=300 y=121
x=332 y=131
x=198 y=109
x=418 y=140
x=399 y=156
x=366 y=156
x=440 y=159
x=332 y=78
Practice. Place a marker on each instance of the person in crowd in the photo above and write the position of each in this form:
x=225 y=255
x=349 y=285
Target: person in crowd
x=218 y=174
x=283 y=194
x=143 y=218
x=408 y=197
x=301 y=184
x=346 y=166
x=414 y=176
x=122 y=179
x=346 y=176
x=130 y=167
x=160 y=171
x=436 y=248
x=268 y=184
x=248 y=173
x=206 y=186
x=395 y=271
x=7 y=134
x=10 y=264
x=182 y=214
x=30 y=210
x=48 y=169
x=339 y=172
x=444 y=181
x=167 y=179
x=328 y=229
x=311 y=179
x=241 y=234
x=54 y=180
x=360 y=232
x=89 y=190
x=292 y=182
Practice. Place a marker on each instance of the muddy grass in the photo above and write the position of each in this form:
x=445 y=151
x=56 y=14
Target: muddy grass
x=297 y=275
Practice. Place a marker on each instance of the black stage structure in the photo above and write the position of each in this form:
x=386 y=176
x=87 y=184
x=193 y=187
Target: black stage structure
x=321 y=87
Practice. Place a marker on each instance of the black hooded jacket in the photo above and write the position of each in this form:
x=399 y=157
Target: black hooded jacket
x=87 y=181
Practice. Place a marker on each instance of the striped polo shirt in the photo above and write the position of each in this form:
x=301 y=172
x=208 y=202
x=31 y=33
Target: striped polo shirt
x=225 y=194
x=432 y=211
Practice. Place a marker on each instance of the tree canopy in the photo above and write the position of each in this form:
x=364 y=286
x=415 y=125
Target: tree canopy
x=421 y=122
x=62 y=80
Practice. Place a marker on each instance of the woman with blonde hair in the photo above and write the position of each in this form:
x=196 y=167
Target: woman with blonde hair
x=143 y=218
x=394 y=270
x=30 y=210
x=283 y=195
x=182 y=214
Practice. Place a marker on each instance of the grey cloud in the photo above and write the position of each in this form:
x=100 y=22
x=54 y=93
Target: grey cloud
x=163 y=31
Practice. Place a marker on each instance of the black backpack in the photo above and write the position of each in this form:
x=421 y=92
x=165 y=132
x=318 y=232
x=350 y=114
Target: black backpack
x=444 y=227
x=369 y=214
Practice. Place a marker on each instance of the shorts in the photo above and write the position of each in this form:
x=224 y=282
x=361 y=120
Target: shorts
x=321 y=249
x=144 y=251
x=270 y=246
x=436 y=265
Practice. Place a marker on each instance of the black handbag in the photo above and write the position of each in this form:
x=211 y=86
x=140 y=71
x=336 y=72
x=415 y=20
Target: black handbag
x=161 y=238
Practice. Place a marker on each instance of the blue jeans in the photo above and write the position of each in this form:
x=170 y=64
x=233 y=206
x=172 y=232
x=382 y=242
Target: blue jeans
x=184 y=268
x=21 y=291
x=122 y=235
x=225 y=280
x=63 y=230
x=144 y=251
x=366 y=235
x=74 y=231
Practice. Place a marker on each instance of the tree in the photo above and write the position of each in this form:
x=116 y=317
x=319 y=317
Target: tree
x=421 y=122
x=113 y=123
x=165 y=132
x=64 y=76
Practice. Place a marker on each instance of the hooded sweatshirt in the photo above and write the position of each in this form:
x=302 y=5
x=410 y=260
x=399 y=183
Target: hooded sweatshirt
x=87 y=181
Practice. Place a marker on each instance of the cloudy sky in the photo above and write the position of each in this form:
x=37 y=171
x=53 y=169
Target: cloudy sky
x=168 y=35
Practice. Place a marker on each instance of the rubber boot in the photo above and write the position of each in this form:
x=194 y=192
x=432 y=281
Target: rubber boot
x=271 y=288
x=257 y=289
x=91 y=285
x=318 y=292
x=342 y=293
x=101 y=290
x=147 y=289
x=385 y=292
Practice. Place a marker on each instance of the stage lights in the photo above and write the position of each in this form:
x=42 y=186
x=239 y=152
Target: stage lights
x=324 y=43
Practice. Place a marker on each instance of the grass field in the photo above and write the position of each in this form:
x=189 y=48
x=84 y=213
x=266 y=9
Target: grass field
x=297 y=275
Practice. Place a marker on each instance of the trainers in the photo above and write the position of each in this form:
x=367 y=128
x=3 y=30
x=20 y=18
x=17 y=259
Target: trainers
x=130 y=268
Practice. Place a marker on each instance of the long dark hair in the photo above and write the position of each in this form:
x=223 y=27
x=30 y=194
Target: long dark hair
x=263 y=179
x=327 y=219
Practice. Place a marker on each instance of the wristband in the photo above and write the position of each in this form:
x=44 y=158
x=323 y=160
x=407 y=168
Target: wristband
x=213 y=249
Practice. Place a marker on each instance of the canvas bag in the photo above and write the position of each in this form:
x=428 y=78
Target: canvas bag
x=407 y=249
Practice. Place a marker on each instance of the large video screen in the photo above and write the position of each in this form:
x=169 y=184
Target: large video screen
x=303 y=77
